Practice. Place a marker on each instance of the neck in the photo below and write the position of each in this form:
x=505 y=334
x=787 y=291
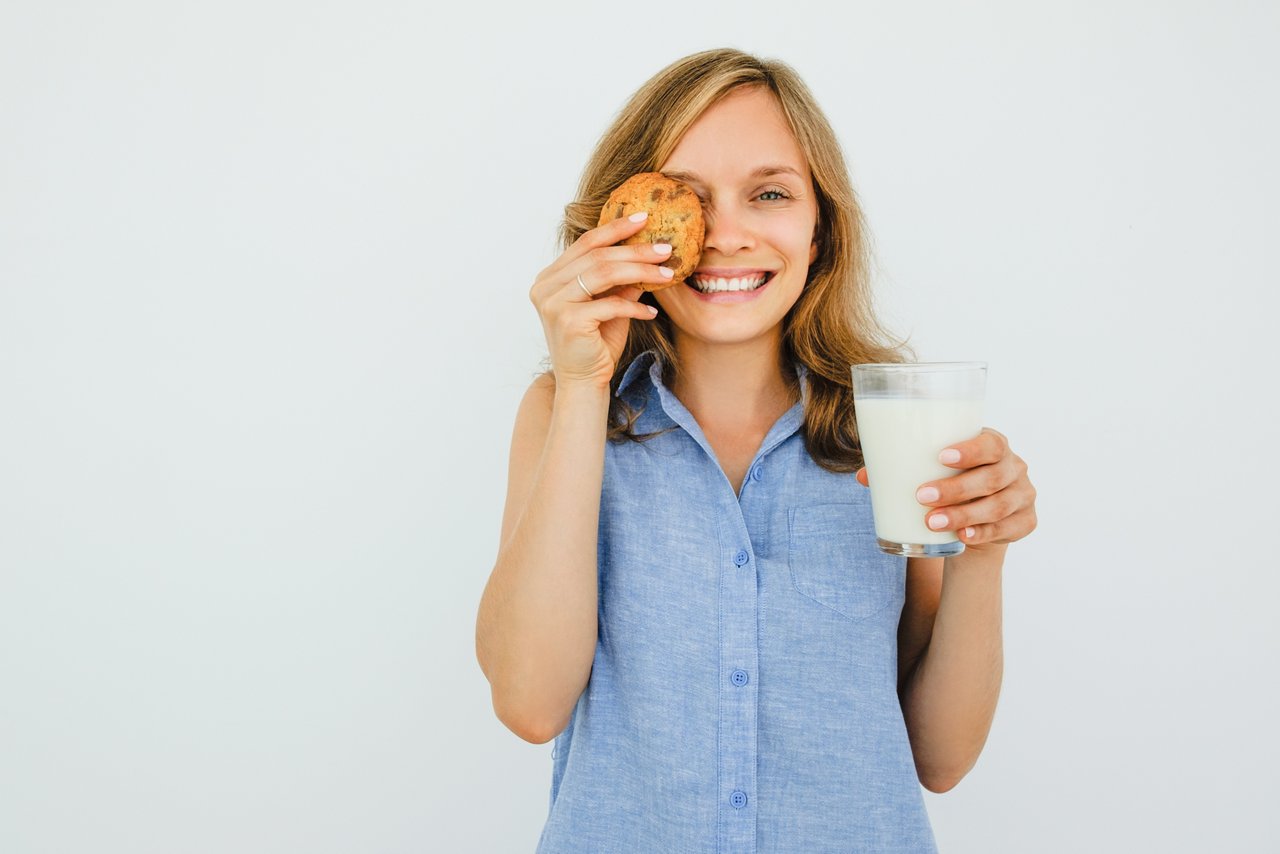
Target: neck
x=744 y=382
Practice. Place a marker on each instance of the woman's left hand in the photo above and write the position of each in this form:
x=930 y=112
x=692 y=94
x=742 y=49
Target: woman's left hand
x=990 y=504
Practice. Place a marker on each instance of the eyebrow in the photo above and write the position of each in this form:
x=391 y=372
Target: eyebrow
x=761 y=172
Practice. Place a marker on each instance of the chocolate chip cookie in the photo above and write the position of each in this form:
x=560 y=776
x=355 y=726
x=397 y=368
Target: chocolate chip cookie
x=675 y=217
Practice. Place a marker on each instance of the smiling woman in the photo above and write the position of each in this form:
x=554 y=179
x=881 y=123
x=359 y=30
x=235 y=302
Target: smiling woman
x=688 y=596
x=752 y=142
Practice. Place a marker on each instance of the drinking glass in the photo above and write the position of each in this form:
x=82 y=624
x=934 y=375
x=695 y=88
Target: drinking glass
x=907 y=413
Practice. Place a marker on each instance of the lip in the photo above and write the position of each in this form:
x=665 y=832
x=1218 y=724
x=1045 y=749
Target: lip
x=729 y=273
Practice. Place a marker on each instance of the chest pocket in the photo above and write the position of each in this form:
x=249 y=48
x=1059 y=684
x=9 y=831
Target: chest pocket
x=836 y=562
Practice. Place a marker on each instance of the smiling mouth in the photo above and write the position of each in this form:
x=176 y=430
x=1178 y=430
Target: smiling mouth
x=719 y=285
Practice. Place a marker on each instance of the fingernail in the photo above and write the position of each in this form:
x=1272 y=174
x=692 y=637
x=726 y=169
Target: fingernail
x=638 y=216
x=667 y=271
x=939 y=521
x=925 y=494
x=662 y=248
x=968 y=533
x=950 y=455
x=653 y=309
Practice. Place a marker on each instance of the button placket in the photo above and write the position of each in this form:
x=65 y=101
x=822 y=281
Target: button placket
x=739 y=636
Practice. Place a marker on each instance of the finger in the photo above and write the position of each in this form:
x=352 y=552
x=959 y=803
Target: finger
x=601 y=236
x=989 y=446
x=1006 y=530
x=579 y=262
x=599 y=278
x=550 y=279
x=606 y=258
x=627 y=292
x=969 y=485
x=648 y=253
x=984 y=511
x=607 y=308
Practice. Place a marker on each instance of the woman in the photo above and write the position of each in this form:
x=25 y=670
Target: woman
x=688 y=596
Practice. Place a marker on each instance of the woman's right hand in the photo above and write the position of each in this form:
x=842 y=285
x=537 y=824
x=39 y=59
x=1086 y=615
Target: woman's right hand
x=586 y=334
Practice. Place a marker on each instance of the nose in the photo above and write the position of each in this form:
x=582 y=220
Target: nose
x=727 y=230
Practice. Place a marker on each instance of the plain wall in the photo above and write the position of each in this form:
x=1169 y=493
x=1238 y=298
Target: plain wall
x=264 y=323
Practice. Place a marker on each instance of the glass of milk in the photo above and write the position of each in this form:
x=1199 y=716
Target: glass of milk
x=907 y=413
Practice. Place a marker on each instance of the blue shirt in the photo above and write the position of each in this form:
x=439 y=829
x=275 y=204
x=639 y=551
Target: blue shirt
x=743 y=696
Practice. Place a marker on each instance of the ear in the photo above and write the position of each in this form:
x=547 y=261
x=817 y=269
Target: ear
x=813 y=250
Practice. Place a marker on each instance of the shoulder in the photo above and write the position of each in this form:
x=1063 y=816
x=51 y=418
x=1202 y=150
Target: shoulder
x=544 y=382
x=535 y=406
x=534 y=416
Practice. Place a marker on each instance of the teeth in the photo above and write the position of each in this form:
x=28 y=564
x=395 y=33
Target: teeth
x=713 y=284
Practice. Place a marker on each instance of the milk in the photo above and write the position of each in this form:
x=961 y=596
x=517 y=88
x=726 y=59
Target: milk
x=901 y=440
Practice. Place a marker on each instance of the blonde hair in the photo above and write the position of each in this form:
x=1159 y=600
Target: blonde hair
x=832 y=324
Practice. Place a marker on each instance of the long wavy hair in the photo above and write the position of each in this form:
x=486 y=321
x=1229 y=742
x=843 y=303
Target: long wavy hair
x=832 y=325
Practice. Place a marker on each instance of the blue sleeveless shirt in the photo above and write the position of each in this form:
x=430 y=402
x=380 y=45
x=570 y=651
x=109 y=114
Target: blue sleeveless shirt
x=743 y=696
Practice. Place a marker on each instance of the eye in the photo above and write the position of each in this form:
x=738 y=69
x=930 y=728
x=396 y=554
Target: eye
x=780 y=195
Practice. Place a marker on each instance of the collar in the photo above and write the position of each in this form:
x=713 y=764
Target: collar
x=671 y=408
x=634 y=370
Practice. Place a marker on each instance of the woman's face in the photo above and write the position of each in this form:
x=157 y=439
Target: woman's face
x=760 y=208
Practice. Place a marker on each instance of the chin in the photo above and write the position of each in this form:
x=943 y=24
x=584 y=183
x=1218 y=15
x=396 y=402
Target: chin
x=726 y=324
x=729 y=332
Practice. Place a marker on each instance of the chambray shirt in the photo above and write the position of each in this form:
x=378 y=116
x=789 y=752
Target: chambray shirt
x=743 y=696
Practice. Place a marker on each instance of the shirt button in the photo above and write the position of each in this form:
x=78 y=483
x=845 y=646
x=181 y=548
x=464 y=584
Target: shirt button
x=739 y=678
x=741 y=557
x=738 y=800
x=755 y=472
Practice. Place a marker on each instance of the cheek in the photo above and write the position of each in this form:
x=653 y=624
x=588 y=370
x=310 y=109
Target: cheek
x=669 y=299
x=793 y=239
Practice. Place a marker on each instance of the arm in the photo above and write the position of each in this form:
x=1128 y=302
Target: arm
x=950 y=640
x=536 y=628
x=951 y=661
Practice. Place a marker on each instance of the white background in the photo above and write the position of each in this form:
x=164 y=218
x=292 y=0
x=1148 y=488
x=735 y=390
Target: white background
x=264 y=323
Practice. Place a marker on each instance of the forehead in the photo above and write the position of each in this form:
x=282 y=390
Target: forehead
x=737 y=134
